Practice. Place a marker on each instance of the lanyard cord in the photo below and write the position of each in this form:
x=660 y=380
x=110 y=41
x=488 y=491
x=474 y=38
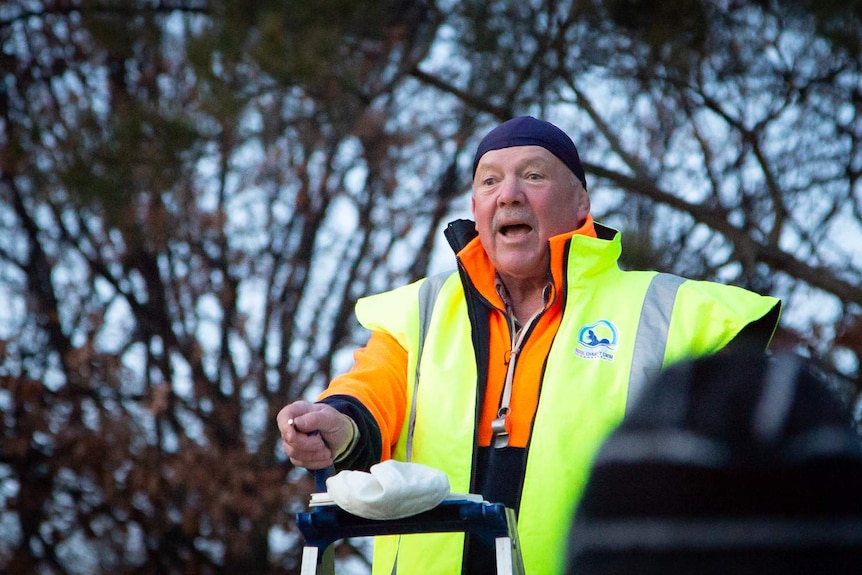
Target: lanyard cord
x=501 y=425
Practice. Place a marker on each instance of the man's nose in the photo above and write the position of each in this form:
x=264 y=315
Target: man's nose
x=510 y=192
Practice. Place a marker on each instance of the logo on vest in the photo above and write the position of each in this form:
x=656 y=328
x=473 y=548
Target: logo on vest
x=597 y=341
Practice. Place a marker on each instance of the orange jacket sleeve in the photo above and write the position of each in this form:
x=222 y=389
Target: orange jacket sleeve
x=378 y=380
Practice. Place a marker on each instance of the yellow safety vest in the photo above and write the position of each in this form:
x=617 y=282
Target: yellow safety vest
x=618 y=329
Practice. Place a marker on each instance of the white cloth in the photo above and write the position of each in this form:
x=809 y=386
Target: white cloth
x=390 y=490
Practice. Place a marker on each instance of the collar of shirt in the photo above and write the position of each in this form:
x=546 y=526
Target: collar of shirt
x=481 y=271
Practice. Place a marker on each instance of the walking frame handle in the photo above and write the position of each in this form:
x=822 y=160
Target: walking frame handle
x=320 y=477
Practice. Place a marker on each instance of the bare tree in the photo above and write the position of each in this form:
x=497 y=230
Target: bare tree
x=191 y=212
x=721 y=138
x=193 y=195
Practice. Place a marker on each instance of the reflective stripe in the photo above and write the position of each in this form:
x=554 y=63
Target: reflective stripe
x=428 y=292
x=651 y=338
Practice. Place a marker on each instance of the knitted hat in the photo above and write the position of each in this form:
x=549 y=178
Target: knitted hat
x=528 y=131
x=734 y=463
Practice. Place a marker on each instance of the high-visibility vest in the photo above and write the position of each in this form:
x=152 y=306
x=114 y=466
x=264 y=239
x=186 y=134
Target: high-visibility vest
x=618 y=329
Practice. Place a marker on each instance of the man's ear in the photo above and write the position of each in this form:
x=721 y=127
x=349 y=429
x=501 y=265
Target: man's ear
x=583 y=204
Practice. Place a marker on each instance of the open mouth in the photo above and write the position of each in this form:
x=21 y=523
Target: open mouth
x=515 y=230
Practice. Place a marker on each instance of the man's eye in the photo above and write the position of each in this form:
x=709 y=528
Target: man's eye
x=488 y=181
x=534 y=176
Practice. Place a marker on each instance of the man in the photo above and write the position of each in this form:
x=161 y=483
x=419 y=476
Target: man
x=508 y=374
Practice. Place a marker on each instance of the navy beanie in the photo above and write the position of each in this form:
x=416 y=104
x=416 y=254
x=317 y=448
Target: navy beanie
x=528 y=131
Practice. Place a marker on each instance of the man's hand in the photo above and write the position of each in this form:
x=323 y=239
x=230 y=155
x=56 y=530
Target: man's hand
x=313 y=433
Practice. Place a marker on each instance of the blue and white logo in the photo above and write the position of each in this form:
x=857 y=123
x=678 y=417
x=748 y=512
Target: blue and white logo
x=597 y=341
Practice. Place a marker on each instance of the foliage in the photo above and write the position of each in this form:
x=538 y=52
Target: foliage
x=193 y=194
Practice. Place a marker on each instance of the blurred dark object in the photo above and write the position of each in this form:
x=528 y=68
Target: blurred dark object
x=730 y=464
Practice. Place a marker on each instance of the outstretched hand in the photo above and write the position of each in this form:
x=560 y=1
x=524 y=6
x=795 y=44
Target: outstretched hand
x=313 y=433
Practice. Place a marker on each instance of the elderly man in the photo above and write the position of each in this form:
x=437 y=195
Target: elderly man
x=509 y=373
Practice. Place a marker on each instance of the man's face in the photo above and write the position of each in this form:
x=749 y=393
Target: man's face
x=521 y=197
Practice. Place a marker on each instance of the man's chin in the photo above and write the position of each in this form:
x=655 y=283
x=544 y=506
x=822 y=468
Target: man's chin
x=520 y=264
